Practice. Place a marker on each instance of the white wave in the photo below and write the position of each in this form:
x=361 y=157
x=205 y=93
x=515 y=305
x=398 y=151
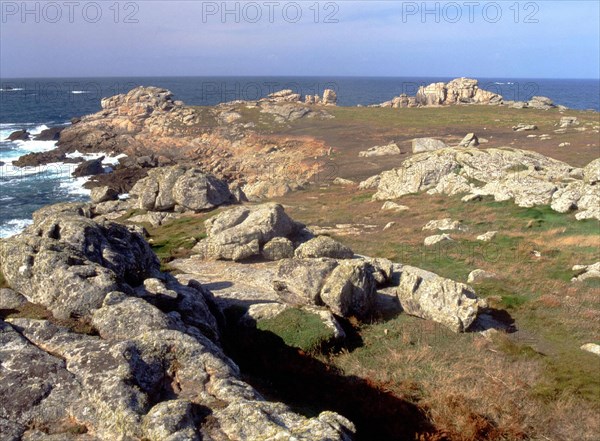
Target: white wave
x=15 y=89
x=14 y=226
x=39 y=129
x=108 y=160
x=77 y=92
x=74 y=186
x=21 y=148
x=123 y=196
x=35 y=146
x=496 y=82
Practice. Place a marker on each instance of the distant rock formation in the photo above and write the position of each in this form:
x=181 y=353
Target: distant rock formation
x=457 y=91
x=529 y=178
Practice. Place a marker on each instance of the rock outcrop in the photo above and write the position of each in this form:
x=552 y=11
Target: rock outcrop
x=528 y=178
x=380 y=150
x=68 y=262
x=241 y=232
x=19 y=135
x=154 y=130
x=420 y=145
x=181 y=189
x=151 y=367
x=457 y=91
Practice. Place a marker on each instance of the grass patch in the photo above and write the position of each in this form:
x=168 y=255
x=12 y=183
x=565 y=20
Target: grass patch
x=299 y=329
x=176 y=238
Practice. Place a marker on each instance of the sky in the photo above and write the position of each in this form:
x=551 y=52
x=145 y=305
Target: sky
x=512 y=39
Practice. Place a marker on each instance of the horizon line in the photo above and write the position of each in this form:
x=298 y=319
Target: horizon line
x=294 y=76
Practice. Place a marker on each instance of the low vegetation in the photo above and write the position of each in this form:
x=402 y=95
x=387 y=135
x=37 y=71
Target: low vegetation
x=298 y=329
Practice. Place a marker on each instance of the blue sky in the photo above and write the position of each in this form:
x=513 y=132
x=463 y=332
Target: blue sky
x=388 y=38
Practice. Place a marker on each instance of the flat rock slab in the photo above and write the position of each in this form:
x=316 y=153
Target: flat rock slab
x=232 y=283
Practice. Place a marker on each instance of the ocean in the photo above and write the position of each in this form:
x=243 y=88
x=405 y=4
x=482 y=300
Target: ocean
x=36 y=104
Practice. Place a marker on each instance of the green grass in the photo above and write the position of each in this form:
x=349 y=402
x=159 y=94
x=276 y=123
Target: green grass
x=177 y=237
x=449 y=260
x=299 y=329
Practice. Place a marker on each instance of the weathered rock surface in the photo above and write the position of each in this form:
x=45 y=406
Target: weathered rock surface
x=350 y=289
x=148 y=123
x=420 y=145
x=69 y=263
x=592 y=348
x=393 y=206
x=240 y=232
x=528 y=178
x=470 y=140
x=324 y=246
x=568 y=121
x=278 y=248
x=154 y=371
x=50 y=134
x=300 y=281
x=435 y=239
x=457 y=91
x=10 y=299
x=380 y=150
x=444 y=225
x=89 y=168
x=329 y=97
x=586 y=272
x=103 y=194
x=521 y=127
x=429 y=296
x=540 y=103
x=487 y=236
x=179 y=188
x=479 y=275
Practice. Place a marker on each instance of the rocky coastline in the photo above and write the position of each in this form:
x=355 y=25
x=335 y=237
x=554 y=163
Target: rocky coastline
x=102 y=341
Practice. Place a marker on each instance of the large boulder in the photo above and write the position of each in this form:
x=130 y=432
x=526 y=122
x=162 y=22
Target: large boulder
x=300 y=281
x=278 y=248
x=103 y=194
x=180 y=188
x=420 y=145
x=19 y=135
x=50 y=134
x=429 y=296
x=540 y=103
x=380 y=150
x=239 y=233
x=68 y=262
x=591 y=172
x=91 y=167
x=350 y=289
x=324 y=246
